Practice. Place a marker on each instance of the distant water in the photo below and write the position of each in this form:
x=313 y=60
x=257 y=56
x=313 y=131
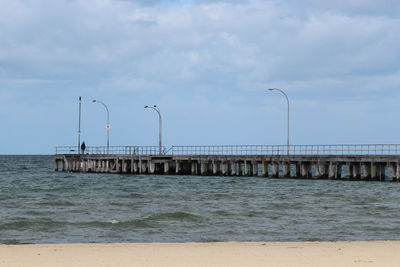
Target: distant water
x=38 y=205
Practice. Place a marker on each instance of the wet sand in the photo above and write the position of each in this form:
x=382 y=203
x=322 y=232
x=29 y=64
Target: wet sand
x=375 y=253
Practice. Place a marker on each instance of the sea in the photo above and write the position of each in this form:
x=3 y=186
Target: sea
x=39 y=205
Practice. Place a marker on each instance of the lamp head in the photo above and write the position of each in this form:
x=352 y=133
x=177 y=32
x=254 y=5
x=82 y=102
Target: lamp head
x=155 y=106
x=146 y=106
x=271 y=89
x=94 y=101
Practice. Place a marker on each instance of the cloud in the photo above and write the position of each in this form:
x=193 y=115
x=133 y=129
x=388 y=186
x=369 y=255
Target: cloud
x=192 y=43
x=359 y=7
x=217 y=53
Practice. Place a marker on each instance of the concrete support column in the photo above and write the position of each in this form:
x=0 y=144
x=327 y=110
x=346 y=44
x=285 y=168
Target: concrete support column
x=265 y=169
x=275 y=170
x=383 y=172
x=63 y=165
x=297 y=169
x=143 y=166
x=203 y=168
x=367 y=171
x=240 y=171
x=101 y=166
x=152 y=167
x=215 y=168
x=56 y=165
x=132 y=167
x=233 y=168
x=323 y=170
x=177 y=167
x=255 y=168
x=332 y=170
x=393 y=167
x=246 y=169
x=135 y=167
x=94 y=165
x=356 y=171
x=339 y=171
x=378 y=171
x=107 y=166
x=320 y=170
x=193 y=167
x=351 y=171
x=124 y=166
x=166 y=167
x=224 y=168
x=398 y=171
x=76 y=166
x=374 y=173
x=85 y=165
x=286 y=169
x=117 y=166
x=304 y=170
x=90 y=165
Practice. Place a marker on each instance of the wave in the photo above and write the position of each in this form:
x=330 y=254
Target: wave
x=57 y=203
x=21 y=224
x=137 y=223
x=176 y=216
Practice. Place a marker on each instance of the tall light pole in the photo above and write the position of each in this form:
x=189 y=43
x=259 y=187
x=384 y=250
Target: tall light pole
x=159 y=127
x=79 y=127
x=107 y=125
x=288 y=108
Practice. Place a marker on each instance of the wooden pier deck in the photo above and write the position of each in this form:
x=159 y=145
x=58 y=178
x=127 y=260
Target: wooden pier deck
x=366 y=162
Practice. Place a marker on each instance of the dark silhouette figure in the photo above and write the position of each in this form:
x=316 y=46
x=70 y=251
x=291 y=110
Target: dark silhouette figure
x=83 y=147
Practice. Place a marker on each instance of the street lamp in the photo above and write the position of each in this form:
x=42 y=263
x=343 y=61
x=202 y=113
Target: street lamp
x=159 y=127
x=79 y=126
x=107 y=125
x=288 y=107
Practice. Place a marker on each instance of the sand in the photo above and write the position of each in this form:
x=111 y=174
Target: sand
x=380 y=253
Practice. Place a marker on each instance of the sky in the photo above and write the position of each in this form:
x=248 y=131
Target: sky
x=207 y=64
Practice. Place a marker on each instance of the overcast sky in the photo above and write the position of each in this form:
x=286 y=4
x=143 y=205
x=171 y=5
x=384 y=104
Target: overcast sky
x=207 y=65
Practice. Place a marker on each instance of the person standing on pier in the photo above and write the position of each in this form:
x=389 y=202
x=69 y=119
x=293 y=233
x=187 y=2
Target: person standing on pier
x=83 y=147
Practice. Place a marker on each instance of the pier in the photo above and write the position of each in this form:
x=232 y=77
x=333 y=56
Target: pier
x=355 y=162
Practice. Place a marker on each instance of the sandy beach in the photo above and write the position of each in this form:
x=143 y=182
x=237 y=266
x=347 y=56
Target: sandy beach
x=377 y=253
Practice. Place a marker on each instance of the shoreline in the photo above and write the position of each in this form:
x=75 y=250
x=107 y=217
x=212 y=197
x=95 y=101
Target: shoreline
x=323 y=254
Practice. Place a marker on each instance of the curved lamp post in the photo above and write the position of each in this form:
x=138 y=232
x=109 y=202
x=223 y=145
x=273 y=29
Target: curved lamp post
x=159 y=127
x=288 y=108
x=107 y=125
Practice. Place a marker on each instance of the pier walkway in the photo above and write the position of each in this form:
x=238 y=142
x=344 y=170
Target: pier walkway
x=368 y=162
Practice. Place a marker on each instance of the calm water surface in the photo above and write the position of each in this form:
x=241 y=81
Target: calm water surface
x=38 y=205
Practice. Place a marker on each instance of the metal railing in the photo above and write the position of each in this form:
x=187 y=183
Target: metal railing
x=115 y=150
x=362 y=149
x=345 y=149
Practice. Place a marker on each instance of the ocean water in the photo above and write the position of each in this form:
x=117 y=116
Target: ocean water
x=38 y=205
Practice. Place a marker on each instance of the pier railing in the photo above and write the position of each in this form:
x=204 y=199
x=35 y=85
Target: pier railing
x=344 y=149
x=114 y=150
